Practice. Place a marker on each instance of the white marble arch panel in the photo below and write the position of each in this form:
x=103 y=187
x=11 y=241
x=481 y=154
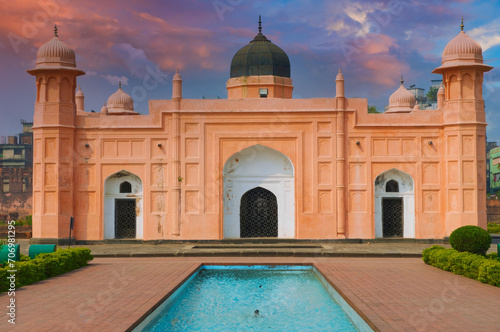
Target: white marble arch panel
x=112 y=192
x=259 y=166
x=406 y=192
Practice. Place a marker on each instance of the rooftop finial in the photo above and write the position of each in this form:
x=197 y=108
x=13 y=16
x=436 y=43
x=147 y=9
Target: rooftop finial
x=119 y=84
x=402 y=81
x=340 y=70
x=55 y=30
x=462 y=25
x=260 y=24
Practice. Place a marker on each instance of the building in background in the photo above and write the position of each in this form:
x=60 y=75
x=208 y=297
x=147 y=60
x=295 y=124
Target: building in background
x=489 y=146
x=494 y=170
x=16 y=172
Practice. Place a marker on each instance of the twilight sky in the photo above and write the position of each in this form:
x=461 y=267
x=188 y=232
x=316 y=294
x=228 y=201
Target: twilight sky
x=142 y=42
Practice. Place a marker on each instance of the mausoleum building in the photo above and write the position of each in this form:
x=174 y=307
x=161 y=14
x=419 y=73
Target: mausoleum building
x=259 y=164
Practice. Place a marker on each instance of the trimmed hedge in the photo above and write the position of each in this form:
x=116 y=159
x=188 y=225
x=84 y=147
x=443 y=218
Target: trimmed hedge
x=483 y=268
x=45 y=266
x=471 y=239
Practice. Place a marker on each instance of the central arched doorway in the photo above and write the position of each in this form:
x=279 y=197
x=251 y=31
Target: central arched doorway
x=257 y=174
x=259 y=214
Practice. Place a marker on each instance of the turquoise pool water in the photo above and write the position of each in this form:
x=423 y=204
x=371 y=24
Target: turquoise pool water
x=252 y=298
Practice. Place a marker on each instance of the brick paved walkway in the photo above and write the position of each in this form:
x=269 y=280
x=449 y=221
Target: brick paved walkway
x=395 y=294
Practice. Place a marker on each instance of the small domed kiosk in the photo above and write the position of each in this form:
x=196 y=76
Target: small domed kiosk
x=120 y=102
x=401 y=101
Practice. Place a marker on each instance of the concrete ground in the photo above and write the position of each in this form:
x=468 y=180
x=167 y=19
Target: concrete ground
x=391 y=294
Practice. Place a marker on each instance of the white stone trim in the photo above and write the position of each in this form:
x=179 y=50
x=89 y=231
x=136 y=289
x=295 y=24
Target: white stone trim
x=259 y=166
x=112 y=192
x=406 y=192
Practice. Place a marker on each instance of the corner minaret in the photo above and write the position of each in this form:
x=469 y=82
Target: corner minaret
x=340 y=90
x=177 y=86
x=463 y=69
x=53 y=134
x=80 y=100
x=464 y=118
x=260 y=70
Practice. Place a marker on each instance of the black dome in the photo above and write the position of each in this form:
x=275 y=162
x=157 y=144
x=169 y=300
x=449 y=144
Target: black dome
x=260 y=57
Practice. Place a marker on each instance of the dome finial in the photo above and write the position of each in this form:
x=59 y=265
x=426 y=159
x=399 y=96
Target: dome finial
x=55 y=30
x=119 y=84
x=260 y=24
x=462 y=25
x=402 y=81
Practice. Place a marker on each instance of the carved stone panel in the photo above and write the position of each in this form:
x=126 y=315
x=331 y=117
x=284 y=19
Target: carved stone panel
x=325 y=173
x=357 y=174
x=357 y=201
x=325 y=201
x=324 y=147
x=430 y=173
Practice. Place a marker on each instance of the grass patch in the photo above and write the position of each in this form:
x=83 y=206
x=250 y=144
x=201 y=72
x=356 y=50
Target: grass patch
x=493 y=228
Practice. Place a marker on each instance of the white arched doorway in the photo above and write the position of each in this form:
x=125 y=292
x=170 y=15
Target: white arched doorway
x=247 y=171
x=123 y=206
x=394 y=205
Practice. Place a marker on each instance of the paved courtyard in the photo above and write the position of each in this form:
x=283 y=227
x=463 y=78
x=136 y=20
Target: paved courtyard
x=393 y=294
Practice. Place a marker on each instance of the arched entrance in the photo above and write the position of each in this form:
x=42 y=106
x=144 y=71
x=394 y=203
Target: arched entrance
x=258 y=171
x=123 y=206
x=259 y=214
x=394 y=205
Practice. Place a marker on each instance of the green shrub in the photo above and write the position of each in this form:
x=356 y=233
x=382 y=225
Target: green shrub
x=44 y=266
x=472 y=239
x=483 y=268
x=28 y=220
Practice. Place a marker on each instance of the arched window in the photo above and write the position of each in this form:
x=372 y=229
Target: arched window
x=392 y=186
x=125 y=188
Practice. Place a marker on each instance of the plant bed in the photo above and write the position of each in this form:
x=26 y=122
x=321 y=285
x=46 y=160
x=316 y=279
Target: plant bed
x=22 y=232
x=30 y=271
x=483 y=268
x=493 y=228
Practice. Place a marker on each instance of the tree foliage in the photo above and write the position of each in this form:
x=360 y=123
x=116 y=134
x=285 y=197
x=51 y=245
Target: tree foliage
x=432 y=94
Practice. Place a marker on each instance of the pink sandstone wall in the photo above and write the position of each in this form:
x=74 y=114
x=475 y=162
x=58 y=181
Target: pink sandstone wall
x=303 y=130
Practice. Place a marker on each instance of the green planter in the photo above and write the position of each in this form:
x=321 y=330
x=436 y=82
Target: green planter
x=15 y=255
x=36 y=249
